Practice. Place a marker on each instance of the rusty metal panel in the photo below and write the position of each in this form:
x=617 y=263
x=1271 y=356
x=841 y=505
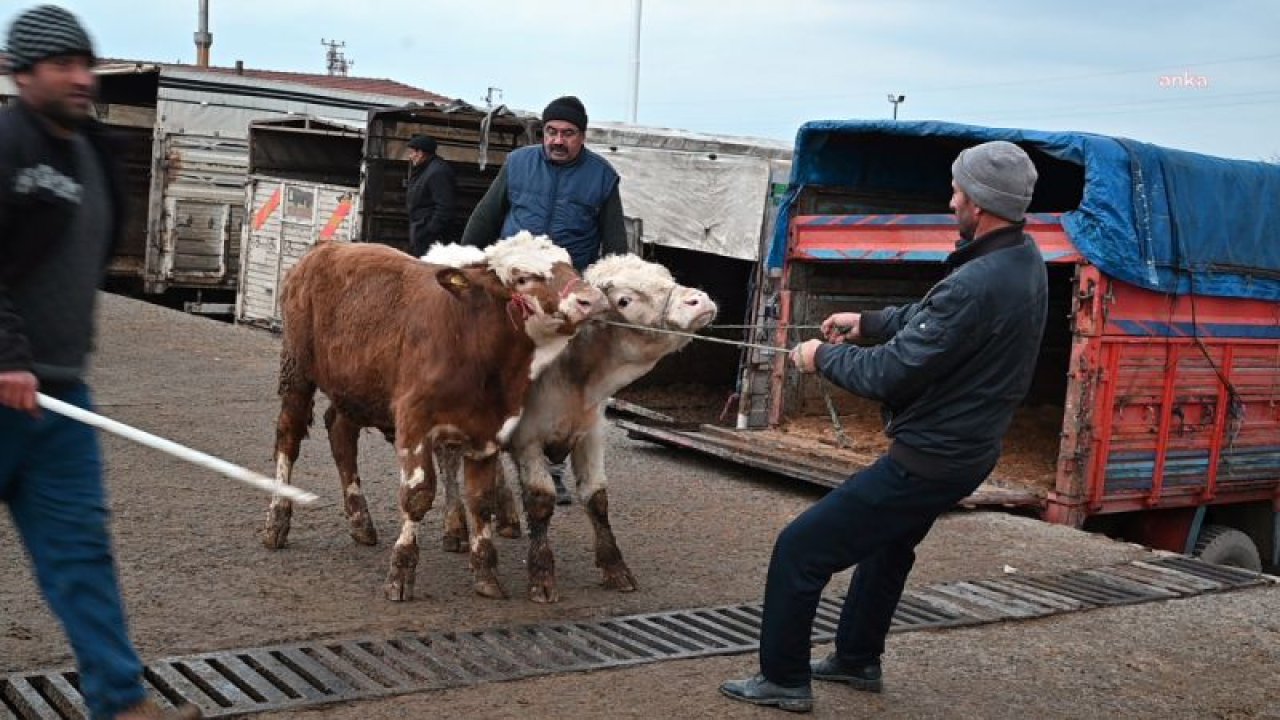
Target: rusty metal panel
x=201 y=191
x=260 y=261
x=286 y=219
x=134 y=156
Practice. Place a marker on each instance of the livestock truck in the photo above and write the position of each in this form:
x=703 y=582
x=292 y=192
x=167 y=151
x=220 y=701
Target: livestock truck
x=1155 y=411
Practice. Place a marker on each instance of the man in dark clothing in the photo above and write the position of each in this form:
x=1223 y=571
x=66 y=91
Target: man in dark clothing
x=950 y=371
x=431 y=198
x=60 y=215
x=562 y=190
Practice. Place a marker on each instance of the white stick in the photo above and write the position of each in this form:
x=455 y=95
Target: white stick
x=181 y=452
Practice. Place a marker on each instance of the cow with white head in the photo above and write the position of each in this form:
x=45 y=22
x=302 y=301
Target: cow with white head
x=563 y=414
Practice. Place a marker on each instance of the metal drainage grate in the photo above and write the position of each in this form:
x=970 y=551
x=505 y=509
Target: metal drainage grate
x=226 y=684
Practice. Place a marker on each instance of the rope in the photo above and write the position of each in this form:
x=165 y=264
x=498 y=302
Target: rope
x=842 y=438
x=753 y=327
x=695 y=336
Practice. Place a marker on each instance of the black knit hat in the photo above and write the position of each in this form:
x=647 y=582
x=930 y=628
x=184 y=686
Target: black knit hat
x=43 y=32
x=424 y=143
x=567 y=108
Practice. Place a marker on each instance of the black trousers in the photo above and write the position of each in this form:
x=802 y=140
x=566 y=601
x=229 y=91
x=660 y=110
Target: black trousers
x=874 y=520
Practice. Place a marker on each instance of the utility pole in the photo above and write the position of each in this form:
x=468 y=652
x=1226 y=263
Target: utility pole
x=896 y=100
x=633 y=98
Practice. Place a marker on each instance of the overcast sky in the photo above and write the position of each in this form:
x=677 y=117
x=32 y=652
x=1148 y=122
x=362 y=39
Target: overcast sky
x=1194 y=75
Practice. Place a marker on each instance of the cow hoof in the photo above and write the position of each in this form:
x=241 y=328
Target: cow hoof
x=404 y=565
x=620 y=578
x=454 y=544
x=275 y=538
x=544 y=593
x=490 y=588
x=362 y=530
x=399 y=589
x=276 y=534
x=510 y=531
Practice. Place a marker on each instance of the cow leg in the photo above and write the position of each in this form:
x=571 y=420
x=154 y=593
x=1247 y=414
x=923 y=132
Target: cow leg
x=539 y=506
x=417 y=493
x=480 y=499
x=455 y=521
x=297 y=400
x=508 y=519
x=344 y=443
x=455 y=518
x=588 y=471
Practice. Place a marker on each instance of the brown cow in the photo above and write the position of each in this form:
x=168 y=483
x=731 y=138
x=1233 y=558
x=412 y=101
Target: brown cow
x=563 y=414
x=428 y=354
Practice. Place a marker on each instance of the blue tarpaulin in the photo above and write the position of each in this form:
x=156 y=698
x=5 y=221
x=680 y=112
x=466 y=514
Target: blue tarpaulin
x=1162 y=219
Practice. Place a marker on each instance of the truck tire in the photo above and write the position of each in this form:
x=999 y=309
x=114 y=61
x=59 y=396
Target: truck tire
x=1221 y=545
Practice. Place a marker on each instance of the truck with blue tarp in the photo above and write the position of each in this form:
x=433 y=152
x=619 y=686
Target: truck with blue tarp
x=1155 y=411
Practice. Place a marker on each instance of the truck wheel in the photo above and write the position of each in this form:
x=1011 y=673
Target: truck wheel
x=1221 y=545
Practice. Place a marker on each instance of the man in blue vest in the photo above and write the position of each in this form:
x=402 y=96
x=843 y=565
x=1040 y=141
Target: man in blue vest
x=560 y=189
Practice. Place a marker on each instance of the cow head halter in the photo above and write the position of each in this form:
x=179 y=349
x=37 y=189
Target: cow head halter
x=520 y=308
x=572 y=286
x=666 y=308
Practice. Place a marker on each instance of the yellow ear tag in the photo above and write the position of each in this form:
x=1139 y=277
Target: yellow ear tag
x=458 y=280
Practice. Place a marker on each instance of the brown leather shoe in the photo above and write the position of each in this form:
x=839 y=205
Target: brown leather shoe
x=148 y=710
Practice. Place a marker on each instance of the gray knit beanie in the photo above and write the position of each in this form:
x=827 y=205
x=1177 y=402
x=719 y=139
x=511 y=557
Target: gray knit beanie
x=43 y=32
x=998 y=177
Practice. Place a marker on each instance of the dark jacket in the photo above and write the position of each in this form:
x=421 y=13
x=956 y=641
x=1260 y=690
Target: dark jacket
x=578 y=205
x=34 y=218
x=952 y=368
x=431 y=200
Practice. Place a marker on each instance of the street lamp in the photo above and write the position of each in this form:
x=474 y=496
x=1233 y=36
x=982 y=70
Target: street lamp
x=896 y=99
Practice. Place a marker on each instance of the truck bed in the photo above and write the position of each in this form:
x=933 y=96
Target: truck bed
x=807 y=449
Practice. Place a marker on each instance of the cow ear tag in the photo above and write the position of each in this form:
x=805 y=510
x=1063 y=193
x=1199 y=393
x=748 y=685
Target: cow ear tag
x=453 y=280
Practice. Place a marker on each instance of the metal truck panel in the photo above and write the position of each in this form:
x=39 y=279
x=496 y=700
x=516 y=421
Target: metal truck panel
x=197 y=165
x=200 y=187
x=905 y=238
x=288 y=218
x=1173 y=401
